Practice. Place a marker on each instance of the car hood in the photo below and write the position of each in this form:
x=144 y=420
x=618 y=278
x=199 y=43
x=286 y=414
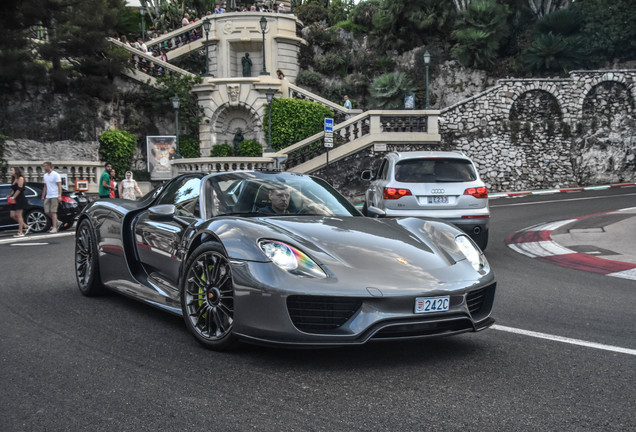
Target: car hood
x=379 y=251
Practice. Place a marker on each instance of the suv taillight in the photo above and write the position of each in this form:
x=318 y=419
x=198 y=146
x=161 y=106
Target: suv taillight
x=395 y=193
x=478 y=192
x=68 y=200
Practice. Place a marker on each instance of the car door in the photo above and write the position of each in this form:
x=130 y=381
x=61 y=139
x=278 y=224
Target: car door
x=159 y=243
x=5 y=219
x=374 y=193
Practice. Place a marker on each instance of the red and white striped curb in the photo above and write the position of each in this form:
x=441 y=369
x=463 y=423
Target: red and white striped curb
x=536 y=242
x=553 y=191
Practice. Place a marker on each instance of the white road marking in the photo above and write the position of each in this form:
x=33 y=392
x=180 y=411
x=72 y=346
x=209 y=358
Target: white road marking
x=28 y=244
x=561 y=200
x=565 y=340
x=31 y=237
x=540 y=249
x=625 y=274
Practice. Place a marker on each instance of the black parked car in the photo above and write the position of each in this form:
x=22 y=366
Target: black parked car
x=34 y=214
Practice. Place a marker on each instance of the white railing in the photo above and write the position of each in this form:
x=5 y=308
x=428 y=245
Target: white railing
x=74 y=170
x=221 y=164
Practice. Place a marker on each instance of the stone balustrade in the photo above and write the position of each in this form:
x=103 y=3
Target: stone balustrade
x=74 y=170
x=220 y=164
x=365 y=129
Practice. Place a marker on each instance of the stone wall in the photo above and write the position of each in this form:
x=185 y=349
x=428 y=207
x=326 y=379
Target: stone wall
x=543 y=133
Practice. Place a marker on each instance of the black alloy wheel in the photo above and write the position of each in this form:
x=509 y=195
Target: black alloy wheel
x=37 y=221
x=86 y=262
x=207 y=297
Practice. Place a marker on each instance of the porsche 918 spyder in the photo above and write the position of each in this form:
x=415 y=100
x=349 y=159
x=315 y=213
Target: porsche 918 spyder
x=282 y=258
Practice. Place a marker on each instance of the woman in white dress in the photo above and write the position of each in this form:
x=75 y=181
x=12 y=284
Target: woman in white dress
x=128 y=187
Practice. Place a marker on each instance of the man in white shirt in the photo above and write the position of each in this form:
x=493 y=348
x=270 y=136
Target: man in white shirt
x=51 y=194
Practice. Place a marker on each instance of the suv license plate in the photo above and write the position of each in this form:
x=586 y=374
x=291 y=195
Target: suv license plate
x=443 y=199
x=431 y=304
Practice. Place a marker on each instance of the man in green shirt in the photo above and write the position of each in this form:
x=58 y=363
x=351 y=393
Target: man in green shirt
x=104 y=181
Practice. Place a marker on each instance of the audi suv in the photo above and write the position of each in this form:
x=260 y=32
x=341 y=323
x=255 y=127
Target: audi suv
x=443 y=185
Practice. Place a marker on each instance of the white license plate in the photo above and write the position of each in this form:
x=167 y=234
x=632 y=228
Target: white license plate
x=431 y=304
x=442 y=199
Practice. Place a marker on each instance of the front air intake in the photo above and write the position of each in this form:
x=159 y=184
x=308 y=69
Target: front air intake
x=321 y=314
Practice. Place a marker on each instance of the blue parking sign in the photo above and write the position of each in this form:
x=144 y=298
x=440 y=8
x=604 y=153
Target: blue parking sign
x=328 y=125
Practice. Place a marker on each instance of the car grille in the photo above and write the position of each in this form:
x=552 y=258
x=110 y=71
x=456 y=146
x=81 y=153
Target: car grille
x=314 y=314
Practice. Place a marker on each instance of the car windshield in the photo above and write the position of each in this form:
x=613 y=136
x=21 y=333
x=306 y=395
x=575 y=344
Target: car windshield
x=245 y=193
x=434 y=171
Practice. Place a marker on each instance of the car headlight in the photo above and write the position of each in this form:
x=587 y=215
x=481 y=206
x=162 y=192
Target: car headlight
x=291 y=259
x=476 y=257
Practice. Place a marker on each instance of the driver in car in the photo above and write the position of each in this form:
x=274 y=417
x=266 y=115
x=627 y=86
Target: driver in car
x=279 y=197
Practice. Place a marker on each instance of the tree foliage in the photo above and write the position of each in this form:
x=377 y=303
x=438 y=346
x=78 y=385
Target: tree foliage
x=608 y=29
x=405 y=24
x=71 y=49
x=480 y=33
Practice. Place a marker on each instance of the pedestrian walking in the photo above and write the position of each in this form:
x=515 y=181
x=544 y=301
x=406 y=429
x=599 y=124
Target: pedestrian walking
x=51 y=194
x=18 y=201
x=128 y=186
x=104 y=181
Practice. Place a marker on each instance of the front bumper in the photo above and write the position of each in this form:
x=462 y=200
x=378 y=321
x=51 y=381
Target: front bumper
x=319 y=313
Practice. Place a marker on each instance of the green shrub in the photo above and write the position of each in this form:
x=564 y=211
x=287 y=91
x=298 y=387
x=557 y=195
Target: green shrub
x=294 y=120
x=222 y=150
x=118 y=148
x=189 y=147
x=250 y=148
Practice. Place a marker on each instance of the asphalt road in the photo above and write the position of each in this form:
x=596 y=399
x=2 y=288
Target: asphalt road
x=70 y=363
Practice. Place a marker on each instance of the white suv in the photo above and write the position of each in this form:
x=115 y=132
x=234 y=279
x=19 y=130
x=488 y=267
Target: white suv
x=443 y=185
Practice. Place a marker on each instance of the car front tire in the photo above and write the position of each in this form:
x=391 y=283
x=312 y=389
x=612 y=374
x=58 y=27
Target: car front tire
x=207 y=297
x=86 y=261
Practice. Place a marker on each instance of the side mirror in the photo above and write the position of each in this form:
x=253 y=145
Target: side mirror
x=162 y=213
x=375 y=212
x=366 y=175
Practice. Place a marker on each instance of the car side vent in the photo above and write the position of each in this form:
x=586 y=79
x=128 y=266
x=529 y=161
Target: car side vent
x=478 y=299
x=475 y=299
x=317 y=314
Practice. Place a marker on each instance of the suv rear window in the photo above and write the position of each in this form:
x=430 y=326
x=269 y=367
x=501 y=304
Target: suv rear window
x=434 y=170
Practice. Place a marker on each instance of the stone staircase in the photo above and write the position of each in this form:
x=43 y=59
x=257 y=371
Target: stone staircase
x=354 y=130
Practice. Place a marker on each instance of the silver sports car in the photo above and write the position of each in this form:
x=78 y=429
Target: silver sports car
x=282 y=258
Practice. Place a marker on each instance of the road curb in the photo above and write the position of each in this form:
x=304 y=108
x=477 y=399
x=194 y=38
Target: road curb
x=562 y=190
x=536 y=242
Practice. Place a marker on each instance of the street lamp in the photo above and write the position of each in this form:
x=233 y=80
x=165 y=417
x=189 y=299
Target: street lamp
x=270 y=97
x=427 y=60
x=175 y=104
x=206 y=27
x=263 y=23
x=142 y=12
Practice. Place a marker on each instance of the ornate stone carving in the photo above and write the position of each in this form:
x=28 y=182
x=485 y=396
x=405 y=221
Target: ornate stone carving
x=233 y=91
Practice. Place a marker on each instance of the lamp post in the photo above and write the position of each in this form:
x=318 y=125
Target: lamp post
x=206 y=27
x=270 y=98
x=175 y=104
x=263 y=23
x=142 y=12
x=427 y=60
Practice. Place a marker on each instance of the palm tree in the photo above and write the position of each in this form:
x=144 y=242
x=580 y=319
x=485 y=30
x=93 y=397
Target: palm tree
x=388 y=91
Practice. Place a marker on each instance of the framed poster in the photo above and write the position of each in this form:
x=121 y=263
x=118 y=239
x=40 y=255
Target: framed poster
x=161 y=150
